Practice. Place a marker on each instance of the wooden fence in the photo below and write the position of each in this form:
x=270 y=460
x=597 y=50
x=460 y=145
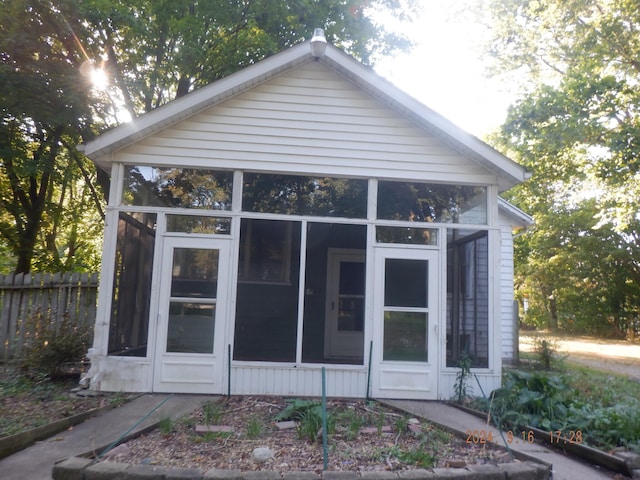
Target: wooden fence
x=52 y=296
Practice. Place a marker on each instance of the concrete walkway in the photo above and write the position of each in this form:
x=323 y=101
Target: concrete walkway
x=454 y=419
x=36 y=462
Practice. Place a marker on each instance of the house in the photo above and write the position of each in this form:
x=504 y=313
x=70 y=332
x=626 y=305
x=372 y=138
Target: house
x=303 y=213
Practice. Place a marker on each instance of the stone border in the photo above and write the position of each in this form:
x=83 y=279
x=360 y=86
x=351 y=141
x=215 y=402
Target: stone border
x=79 y=468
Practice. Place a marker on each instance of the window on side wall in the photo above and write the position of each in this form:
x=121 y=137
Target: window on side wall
x=467 y=297
x=131 y=293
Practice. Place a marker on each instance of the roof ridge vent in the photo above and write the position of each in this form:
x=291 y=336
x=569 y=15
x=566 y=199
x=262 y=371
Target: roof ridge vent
x=318 y=43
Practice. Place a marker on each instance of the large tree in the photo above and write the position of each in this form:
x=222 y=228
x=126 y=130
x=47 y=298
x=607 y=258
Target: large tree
x=44 y=112
x=577 y=129
x=151 y=51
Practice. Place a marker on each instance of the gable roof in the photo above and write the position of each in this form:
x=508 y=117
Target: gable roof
x=100 y=149
x=516 y=217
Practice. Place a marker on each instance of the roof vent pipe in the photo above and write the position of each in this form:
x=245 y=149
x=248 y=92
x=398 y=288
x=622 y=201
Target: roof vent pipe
x=318 y=43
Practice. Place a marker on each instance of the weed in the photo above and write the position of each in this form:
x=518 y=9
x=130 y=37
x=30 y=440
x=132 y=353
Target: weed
x=212 y=412
x=402 y=424
x=118 y=399
x=418 y=455
x=351 y=421
x=380 y=421
x=308 y=414
x=296 y=408
x=546 y=351
x=310 y=424
x=461 y=388
x=166 y=425
x=254 y=427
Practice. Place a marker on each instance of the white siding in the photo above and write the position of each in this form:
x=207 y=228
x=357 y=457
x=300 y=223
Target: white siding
x=507 y=327
x=309 y=120
x=298 y=381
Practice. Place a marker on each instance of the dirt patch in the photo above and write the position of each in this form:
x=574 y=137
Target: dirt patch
x=30 y=402
x=363 y=436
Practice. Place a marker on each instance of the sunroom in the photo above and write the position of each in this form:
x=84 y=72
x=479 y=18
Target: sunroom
x=300 y=215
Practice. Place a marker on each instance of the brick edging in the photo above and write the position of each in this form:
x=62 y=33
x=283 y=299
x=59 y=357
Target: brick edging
x=79 y=468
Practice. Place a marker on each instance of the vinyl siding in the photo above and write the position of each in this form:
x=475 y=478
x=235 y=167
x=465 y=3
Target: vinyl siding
x=506 y=309
x=308 y=120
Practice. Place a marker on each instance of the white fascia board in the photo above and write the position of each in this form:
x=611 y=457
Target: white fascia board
x=194 y=102
x=520 y=218
x=508 y=173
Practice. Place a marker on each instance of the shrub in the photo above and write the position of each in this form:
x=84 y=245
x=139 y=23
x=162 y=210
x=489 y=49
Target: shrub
x=546 y=351
x=52 y=344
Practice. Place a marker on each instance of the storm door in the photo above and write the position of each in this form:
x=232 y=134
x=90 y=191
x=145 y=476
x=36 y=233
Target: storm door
x=192 y=311
x=405 y=339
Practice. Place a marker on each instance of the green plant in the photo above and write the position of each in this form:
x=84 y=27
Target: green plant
x=118 y=399
x=254 y=427
x=461 y=388
x=310 y=425
x=380 y=421
x=166 y=425
x=308 y=415
x=402 y=424
x=296 y=408
x=546 y=351
x=417 y=456
x=49 y=345
x=351 y=421
x=212 y=412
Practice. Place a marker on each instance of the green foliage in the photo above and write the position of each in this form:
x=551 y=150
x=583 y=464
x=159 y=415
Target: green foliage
x=212 y=412
x=296 y=408
x=418 y=455
x=51 y=197
x=254 y=427
x=546 y=350
x=575 y=129
x=605 y=410
x=307 y=414
x=166 y=425
x=50 y=345
x=461 y=388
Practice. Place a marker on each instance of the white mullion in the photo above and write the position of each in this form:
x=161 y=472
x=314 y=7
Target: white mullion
x=301 y=290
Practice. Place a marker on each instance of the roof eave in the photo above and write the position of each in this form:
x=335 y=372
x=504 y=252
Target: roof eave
x=100 y=149
x=508 y=173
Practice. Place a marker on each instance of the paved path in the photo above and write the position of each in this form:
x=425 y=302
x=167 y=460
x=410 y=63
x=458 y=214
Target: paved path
x=564 y=468
x=36 y=462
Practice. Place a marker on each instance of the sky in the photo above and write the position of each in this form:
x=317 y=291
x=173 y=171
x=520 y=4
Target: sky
x=445 y=72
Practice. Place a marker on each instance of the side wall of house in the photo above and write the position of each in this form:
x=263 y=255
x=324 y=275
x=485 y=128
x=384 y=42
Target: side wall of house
x=506 y=308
